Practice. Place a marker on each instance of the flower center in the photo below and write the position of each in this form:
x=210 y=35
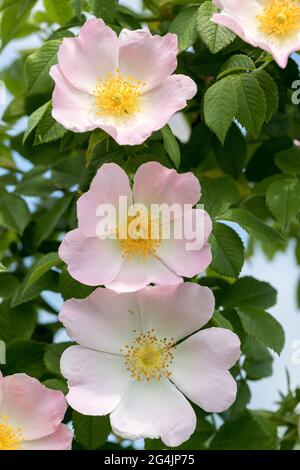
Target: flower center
x=118 y=96
x=149 y=357
x=10 y=438
x=280 y=18
x=140 y=236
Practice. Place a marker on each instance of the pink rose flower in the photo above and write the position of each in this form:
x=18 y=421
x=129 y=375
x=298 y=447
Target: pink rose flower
x=31 y=415
x=272 y=25
x=131 y=361
x=130 y=262
x=123 y=85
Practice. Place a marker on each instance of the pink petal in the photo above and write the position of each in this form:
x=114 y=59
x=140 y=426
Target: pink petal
x=1 y=387
x=104 y=321
x=72 y=108
x=61 y=439
x=188 y=256
x=154 y=409
x=156 y=184
x=92 y=55
x=97 y=381
x=91 y=261
x=200 y=368
x=137 y=272
x=151 y=59
x=171 y=96
x=31 y=406
x=175 y=311
x=108 y=185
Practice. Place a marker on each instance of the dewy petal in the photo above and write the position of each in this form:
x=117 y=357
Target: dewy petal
x=91 y=261
x=71 y=107
x=104 y=321
x=162 y=102
x=97 y=381
x=156 y=184
x=154 y=409
x=200 y=368
x=61 y=439
x=151 y=59
x=108 y=185
x=31 y=406
x=175 y=311
x=137 y=272
x=94 y=54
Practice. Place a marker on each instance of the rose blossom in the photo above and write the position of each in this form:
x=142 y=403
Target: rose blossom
x=31 y=415
x=131 y=261
x=131 y=361
x=272 y=25
x=123 y=85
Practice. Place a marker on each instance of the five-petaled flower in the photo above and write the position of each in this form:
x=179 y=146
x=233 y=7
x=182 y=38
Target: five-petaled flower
x=131 y=361
x=131 y=261
x=123 y=85
x=31 y=415
x=272 y=25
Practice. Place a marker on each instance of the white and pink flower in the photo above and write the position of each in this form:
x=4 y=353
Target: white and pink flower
x=31 y=415
x=129 y=261
x=272 y=25
x=139 y=357
x=123 y=85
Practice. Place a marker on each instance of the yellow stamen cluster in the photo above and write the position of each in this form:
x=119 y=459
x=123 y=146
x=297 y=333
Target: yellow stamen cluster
x=280 y=18
x=10 y=438
x=149 y=357
x=140 y=236
x=118 y=96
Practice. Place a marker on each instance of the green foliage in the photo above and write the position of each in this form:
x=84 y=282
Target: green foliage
x=214 y=36
x=228 y=251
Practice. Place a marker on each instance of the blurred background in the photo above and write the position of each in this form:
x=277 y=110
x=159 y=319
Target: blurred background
x=281 y=272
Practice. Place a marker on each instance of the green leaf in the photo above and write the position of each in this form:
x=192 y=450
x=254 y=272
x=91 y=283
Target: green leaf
x=248 y=431
x=77 y=7
x=53 y=355
x=34 y=119
x=2 y=268
x=69 y=288
x=104 y=9
x=288 y=161
x=15 y=323
x=218 y=194
x=283 y=200
x=48 y=282
x=184 y=25
x=57 y=384
x=271 y=92
x=242 y=399
x=25 y=357
x=236 y=64
x=8 y=284
x=220 y=106
x=261 y=326
x=35 y=273
x=13 y=19
x=48 y=221
x=48 y=130
x=231 y=157
x=171 y=145
x=221 y=322
x=252 y=105
x=38 y=67
x=227 y=250
x=253 y=225
x=91 y=431
x=216 y=37
x=96 y=138
x=59 y=11
x=14 y=213
x=249 y=292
